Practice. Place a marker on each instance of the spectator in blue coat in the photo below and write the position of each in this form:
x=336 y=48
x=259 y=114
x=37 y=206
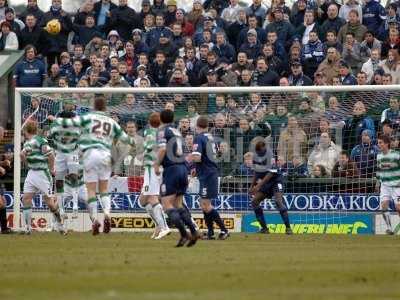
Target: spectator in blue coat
x=355 y=125
x=30 y=72
x=284 y=29
x=374 y=15
x=346 y=77
x=223 y=48
x=261 y=34
x=252 y=47
x=312 y=54
x=364 y=154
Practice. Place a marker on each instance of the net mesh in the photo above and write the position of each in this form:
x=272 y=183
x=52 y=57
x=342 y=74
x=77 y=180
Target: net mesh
x=324 y=143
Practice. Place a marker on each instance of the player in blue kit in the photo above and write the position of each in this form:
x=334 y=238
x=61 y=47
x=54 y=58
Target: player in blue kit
x=174 y=178
x=267 y=183
x=204 y=155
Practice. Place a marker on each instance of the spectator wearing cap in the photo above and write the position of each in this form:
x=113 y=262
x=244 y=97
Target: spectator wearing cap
x=391 y=65
x=164 y=44
x=351 y=53
x=348 y=6
x=230 y=13
x=16 y=24
x=252 y=24
x=187 y=27
x=56 y=43
x=32 y=34
x=113 y=41
x=372 y=64
x=252 y=47
x=297 y=14
x=392 y=114
x=170 y=13
x=223 y=48
x=284 y=29
x=195 y=16
x=146 y=10
x=124 y=19
x=329 y=67
x=159 y=7
x=257 y=9
x=102 y=11
x=85 y=10
x=346 y=77
x=208 y=101
x=233 y=30
x=138 y=41
x=263 y=76
x=364 y=154
x=297 y=77
x=141 y=71
x=333 y=21
x=392 y=19
x=8 y=38
x=369 y=43
x=353 y=25
x=32 y=9
x=374 y=15
x=85 y=33
x=312 y=54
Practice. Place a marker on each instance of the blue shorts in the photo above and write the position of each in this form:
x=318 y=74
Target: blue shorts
x=275 y=185
x=209 y=186
x=175 y=180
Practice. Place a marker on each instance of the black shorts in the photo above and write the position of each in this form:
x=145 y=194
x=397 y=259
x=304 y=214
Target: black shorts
x=175 y=180
x=209 y=186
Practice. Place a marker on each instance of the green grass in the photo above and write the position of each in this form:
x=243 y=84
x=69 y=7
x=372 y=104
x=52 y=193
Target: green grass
x=131 y=266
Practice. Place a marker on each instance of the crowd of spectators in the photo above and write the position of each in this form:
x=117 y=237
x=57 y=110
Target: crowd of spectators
x=224 y=43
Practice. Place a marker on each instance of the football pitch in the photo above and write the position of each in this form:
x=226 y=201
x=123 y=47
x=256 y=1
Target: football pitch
x=246 y=266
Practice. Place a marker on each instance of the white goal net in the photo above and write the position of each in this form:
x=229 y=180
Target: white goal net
x=322 y=140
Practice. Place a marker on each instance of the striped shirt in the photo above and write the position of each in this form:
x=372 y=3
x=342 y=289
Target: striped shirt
x=388 y=165
x=65 y=135
x=99 y=131
x=37 y=150
x=150 y=144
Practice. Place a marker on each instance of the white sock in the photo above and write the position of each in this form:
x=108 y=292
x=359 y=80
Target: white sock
x=92 y=206
x=28 y=217
x=60 y=202
x=386 y=217
x=105 y=201
x=159 y=216
x=75 y=199
x=149 y=209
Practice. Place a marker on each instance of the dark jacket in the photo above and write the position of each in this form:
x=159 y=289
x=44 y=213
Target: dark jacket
x=57 y=43
x=36 y=37
x=331 y=24
x=226 y=50
x=36 y=11
x=268 y=78
x=97 y=9
x=124 y=19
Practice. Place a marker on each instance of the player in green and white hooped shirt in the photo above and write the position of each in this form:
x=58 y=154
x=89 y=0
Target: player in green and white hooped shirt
x=149 y=197
x=98 y=134
x=388 y=174
x=65 y=137
x=39 y=158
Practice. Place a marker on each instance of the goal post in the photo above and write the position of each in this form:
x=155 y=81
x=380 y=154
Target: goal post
x=308 y=104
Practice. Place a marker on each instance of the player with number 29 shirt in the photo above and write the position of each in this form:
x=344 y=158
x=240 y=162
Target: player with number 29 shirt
x=98 y=134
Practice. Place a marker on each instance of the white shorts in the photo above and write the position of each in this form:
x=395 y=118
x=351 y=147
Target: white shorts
x=96 y=165
x=389 y=193
x=38 y=181
x=66 y=163
x=82 y=193
x=151 y=182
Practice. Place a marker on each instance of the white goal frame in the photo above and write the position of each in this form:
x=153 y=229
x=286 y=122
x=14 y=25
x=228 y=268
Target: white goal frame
x=166 y=90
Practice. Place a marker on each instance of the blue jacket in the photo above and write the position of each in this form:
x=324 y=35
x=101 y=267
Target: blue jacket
x=284 y=29
x=153 y=37
x=364 y=155
x=349 y=79
x=252 y=51
x=373 y=15
x=313 y=51
x=226 y=50
x=30 y=73
x=261 y=36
